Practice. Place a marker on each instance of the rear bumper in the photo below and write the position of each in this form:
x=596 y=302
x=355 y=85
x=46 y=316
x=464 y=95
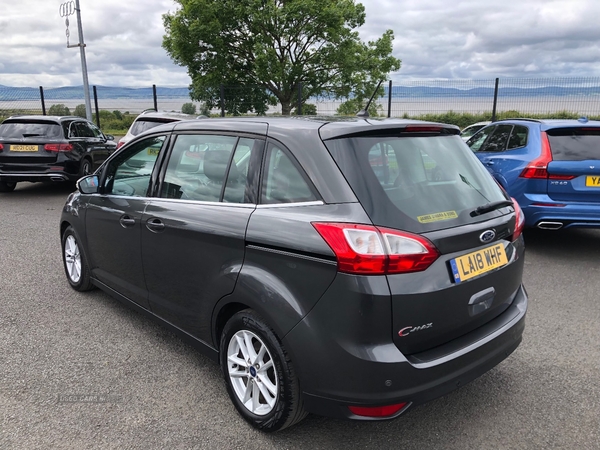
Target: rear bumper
x=381 y=375
x=572 y=214
x=35 y=176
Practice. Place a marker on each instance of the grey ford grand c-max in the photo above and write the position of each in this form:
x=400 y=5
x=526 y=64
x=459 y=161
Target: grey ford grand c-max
x=351 y=268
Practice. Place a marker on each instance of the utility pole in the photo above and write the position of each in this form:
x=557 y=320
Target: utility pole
x=65 y=10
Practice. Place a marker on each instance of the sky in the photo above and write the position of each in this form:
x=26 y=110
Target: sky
x=435 y=39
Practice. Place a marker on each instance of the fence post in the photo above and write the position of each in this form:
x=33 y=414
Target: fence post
x=154 y=96
x=390 y=99
x=96 y=106
x=495 y=100
x=42 y=100
x=299 y=107
x=222 y=100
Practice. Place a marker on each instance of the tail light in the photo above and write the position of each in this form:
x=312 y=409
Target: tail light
x=376 y=411
x=62 y=147
x=120 y=144
x=370 y=250
x=520 y=220
x=1 y=147
x=538 y=168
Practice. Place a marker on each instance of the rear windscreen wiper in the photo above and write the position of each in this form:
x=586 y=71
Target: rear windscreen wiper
x=491 y=207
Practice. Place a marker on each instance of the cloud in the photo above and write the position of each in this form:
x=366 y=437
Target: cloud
x=479 y=39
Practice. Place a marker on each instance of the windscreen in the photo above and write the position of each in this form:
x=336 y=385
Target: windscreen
x=29 y=129
x=416 y=183
x=575 y=144
x=141 y=125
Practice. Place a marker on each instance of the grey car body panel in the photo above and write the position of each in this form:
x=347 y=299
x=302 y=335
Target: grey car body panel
x=280 y=259
x=200 y=251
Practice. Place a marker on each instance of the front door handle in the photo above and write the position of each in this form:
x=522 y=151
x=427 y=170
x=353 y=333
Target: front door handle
x=489 y=162
x=155 y=225
x=127 y=221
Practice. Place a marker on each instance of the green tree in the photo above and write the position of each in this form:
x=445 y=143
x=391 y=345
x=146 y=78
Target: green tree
x=278 y=48
x=188 y=108
x=59 y=110
x=80 y=111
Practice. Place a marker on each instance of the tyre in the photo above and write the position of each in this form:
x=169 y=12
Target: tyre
x=7 y=186
x=85 y=168
x=258 y=373
x=75 y=262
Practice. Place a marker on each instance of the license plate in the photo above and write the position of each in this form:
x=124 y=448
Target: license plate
x=23 y=148
x=473 y=264
x=592 y=181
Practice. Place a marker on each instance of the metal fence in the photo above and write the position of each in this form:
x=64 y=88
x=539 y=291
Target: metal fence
x=406 y=98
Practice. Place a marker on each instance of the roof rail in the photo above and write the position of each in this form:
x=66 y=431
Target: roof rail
x=522 y=118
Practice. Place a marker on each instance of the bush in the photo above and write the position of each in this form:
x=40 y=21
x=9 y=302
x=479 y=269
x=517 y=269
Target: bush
x=59 y=110
x=80 y=111
x=188 y=108
x=308 y=109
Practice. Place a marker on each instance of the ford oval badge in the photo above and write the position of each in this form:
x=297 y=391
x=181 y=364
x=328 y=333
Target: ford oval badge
x=487 y=236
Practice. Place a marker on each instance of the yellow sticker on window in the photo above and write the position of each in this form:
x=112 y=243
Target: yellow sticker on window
x=446 y=215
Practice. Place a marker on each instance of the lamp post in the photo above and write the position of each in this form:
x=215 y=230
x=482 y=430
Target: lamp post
x=65 y=10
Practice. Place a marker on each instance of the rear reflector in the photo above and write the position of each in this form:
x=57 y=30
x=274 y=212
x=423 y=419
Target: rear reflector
x=376 y=411
x=64 y=147
x=555 y=205
x=369 y=250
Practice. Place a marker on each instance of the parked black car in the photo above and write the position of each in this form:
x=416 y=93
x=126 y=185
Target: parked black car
x=50 y=148
x=320 y=282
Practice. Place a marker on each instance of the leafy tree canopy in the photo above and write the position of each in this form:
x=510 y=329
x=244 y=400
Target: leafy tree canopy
x=80 y=111
x=275 y=46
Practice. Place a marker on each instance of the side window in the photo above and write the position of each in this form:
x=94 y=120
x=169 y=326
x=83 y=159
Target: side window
x=83 y=130
x=198 y=167
x=283 y=182
x=518 y=137
x=498 y=141
x=479 y=138
x=129 y=173
x=95 y=131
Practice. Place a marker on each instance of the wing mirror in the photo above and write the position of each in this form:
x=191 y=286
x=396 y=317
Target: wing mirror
x=88 y=184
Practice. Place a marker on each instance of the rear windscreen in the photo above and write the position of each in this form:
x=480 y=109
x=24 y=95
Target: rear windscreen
x=419 y=183
x=141 y=125
x=29 y=129
x=574 y=144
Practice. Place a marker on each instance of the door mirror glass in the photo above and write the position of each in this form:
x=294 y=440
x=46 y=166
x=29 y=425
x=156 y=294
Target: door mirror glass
x=88 y=185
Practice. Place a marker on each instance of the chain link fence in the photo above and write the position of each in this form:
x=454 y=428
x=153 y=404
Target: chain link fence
x=406 y=98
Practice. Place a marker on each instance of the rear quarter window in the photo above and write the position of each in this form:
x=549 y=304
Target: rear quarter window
x=574 y=144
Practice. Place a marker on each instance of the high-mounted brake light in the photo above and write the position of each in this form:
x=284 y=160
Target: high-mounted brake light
x=520 y=220
x=63 y=147
x=376 y=411
x=422 y=129
x=370 y=250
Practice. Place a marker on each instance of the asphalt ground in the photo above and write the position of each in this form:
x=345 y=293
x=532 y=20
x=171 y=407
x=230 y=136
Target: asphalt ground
x=82 y=371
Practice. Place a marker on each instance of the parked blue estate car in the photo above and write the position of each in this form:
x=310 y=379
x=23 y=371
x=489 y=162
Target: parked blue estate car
x=551 y=167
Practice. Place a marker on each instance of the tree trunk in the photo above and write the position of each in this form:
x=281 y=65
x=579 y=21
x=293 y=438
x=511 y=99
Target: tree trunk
x=286 y=107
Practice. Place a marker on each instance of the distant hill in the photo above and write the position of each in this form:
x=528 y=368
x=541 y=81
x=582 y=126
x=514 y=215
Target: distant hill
x=8 y=93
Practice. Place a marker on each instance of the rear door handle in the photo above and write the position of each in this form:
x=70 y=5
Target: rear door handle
x=489 y=162
x=127 y=221
x=155 y=225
